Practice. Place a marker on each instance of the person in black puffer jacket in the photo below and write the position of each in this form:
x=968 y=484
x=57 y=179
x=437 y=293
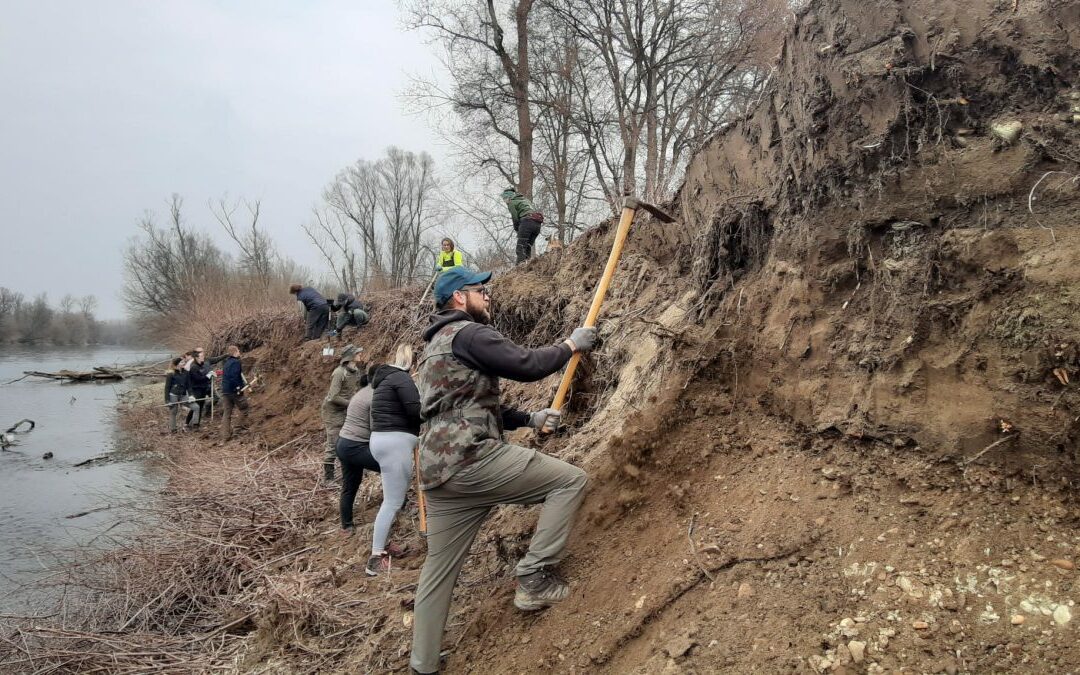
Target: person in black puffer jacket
x=395 y=426
x=178 y=392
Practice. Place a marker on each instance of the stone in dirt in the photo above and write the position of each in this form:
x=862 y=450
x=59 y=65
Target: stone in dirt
x=1062 y=615
x=745 y=591
x=679 y=646
x=858 y=650
x=1063 y=564
x=1017 y=620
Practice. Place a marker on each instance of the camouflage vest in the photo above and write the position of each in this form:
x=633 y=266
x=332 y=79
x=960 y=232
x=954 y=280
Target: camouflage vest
x=460 y=408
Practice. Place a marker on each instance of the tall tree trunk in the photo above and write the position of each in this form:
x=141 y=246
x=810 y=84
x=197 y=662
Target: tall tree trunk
x=521 y=94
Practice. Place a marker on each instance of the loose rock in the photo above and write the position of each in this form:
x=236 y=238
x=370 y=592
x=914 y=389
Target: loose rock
x=1017 y=620
x=1062 y=615
x=919 y=625
x=858 y=651
x=1060 y=563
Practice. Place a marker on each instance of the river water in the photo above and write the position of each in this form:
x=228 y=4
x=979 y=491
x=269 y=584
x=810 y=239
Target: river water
x=75 y=422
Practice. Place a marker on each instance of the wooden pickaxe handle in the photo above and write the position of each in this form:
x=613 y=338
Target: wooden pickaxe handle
x=421 y=501
x=630 y=206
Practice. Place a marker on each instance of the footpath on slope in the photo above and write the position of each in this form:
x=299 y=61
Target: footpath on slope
x=833 y=426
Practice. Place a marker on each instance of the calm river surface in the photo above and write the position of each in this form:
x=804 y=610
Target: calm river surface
x=75 y=422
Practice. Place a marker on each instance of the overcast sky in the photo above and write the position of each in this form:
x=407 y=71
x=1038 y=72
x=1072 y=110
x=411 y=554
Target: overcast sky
x=109 y=107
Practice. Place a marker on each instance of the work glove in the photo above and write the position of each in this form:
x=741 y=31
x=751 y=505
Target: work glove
x=190 y=399
x=547 y=417
x=584 y=338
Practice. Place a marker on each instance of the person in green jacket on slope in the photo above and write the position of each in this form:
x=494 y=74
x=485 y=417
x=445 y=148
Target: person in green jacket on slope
x=527 y=221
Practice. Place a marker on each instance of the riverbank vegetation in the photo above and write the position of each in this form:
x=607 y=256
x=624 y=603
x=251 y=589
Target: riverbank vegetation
x=70 y=322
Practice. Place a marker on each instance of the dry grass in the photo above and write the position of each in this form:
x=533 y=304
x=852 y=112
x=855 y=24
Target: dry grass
x=223 y=576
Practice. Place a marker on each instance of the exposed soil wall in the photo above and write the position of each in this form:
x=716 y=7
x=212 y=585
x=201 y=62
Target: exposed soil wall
x=833 y=424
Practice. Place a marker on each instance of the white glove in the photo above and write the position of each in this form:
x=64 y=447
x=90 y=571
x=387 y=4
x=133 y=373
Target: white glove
x=190 y=399
x=547 y=416
x=212 y=374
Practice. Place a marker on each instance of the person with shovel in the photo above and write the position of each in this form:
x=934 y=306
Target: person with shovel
x=344 y=382
x=467 y=468
x=527 y=221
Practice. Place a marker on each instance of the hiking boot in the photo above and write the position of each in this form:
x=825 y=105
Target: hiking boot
x=377 y=564
x=539 y=590
x=347 y=532
x=328 y=471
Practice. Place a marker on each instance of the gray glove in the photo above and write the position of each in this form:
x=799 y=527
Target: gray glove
x=548 y=416
x=584 y=338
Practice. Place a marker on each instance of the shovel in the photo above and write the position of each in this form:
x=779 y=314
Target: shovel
x=630 y=207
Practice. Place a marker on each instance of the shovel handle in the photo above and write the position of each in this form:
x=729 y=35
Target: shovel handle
x=421 y=501
x=629 y=208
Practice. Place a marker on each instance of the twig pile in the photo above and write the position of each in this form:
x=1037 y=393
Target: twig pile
x=224 y=574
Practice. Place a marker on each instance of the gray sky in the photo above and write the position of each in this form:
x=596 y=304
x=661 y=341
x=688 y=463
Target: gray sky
x=109 y=107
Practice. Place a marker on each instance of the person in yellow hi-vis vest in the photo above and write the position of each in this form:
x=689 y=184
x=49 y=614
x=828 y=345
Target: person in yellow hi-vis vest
x=448 y=256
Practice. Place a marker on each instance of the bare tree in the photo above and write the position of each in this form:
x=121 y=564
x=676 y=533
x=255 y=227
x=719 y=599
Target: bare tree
x=330 y=233
x=163 y=267
x=406 y=182
x=354 y=196
x=257 y=254
x=491 y=77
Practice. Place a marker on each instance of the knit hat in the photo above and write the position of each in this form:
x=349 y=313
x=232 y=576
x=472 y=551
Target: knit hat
x=349 y=351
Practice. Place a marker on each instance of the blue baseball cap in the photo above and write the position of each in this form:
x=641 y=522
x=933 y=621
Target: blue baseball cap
x=454 y=279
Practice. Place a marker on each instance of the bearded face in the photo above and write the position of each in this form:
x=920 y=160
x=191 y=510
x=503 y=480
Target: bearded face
x=476 y=306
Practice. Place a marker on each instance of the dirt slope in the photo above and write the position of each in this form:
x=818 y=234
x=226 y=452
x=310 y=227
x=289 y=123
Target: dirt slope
x=824 y=429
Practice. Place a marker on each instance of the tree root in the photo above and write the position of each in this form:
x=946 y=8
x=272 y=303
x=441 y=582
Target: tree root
x=701 y=575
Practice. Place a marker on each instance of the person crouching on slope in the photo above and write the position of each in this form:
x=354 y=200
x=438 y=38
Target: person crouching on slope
x=395 y=423
x=466 y=467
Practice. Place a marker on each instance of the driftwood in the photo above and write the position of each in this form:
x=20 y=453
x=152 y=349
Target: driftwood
x=98 y=374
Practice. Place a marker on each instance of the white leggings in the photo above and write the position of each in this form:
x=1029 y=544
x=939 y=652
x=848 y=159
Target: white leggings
x=393 y=450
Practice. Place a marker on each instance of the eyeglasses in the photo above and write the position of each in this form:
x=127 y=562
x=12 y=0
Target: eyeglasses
x=483 y=290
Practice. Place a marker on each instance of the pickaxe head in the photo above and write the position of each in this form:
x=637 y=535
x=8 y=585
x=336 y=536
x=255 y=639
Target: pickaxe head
x=656 y=212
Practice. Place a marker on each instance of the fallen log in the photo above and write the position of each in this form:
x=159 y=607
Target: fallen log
x=76 y=376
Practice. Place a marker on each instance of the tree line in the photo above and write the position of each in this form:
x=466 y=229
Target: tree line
x=373 y=227
x=71 y=322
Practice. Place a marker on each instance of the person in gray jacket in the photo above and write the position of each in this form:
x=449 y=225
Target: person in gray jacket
x=344 y=382
x=353 y=450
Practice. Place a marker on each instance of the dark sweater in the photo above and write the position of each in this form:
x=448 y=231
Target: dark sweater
x=483 y=348
x=177 y=383
x=198 y=375
x=232 y=376
x=311 y=298
x=395 y=404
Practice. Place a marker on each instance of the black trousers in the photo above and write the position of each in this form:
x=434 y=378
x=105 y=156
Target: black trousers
x=527 y=232
x=202 y=397
x=355 y=457
x=317 y=322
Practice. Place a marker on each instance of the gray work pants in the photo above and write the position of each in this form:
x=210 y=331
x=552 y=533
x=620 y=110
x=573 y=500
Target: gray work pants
x=175 y=401
x=455 y=511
